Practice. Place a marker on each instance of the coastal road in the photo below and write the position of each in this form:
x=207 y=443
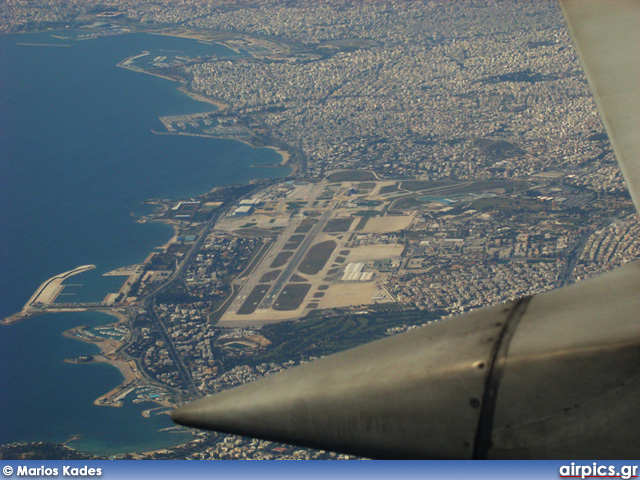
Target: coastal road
x=189 y=256
x=148 y=302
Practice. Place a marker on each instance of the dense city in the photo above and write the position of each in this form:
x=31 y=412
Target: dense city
x=472 y=167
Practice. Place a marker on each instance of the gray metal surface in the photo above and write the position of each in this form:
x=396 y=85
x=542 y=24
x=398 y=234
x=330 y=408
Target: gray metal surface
x=607 y=38
x=570 y=385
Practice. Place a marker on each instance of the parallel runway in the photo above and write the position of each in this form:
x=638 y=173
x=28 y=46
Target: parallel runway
x=264 y=266
x=283 y=278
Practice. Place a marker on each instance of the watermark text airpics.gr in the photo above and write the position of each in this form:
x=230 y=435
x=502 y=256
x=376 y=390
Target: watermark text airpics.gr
x=598 y=471
x=65 y=471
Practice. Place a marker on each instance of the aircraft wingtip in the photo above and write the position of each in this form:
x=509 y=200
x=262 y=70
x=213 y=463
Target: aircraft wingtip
x=185 y=415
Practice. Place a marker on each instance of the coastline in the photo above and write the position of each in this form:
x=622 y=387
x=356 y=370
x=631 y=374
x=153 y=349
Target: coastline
x=110 y=354
x=286 y=156
x=201 y=98
x=122 y=64
x=133 y=377
x=218 y=103
x=108 y=351
x=109 y=348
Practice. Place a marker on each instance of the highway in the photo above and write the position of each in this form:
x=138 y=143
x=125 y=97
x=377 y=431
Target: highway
x=184 y=373
x=148 y=302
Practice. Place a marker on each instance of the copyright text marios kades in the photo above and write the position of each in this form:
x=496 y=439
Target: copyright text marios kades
x=66 y=471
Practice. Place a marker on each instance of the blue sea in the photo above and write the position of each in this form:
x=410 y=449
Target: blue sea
x=77 y=157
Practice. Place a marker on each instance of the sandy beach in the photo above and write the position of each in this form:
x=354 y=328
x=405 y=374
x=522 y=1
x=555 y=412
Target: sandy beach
x=286 y=156
x=201 y=98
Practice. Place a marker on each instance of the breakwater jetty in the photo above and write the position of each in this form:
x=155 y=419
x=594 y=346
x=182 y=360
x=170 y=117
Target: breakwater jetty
x=46 y=293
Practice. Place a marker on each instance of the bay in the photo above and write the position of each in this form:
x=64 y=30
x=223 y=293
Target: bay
x=77 y=156
x=45 y=399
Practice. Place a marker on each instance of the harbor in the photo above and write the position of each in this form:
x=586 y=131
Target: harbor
x=45 y=295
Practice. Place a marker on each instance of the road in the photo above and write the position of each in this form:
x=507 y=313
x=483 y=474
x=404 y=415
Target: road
x=184 y=373
x=573 y=257
x=148 y=302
